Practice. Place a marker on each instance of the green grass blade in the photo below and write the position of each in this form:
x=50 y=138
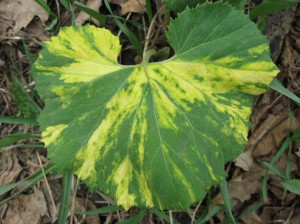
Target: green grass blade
x=292 y=185
x=65 y=3
x=135 y=219
x=264 y=188
x=101 y=18
x=210 y=213
x=28 y=53
x=296 y=135
x=274 y=169
x=11 y=139
x=52 y=24
x=23 y=101
x=73 y=15
x=251 y=209
x=136 y=42
x=65 y=200
x=277 y=85
x=44 y=5
x=149 y=10
x=134 y=23
x=108 y=209
x=7 y=188
x=285 y=145
x=162 y=215
x=270 y=6
x=288 y=168
x=34 y=145
x=18 y=120
x=30 y=181
x=227 y=200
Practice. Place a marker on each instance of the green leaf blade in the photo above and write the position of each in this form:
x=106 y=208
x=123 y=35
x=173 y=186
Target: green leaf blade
x=292 y=185
x=24 y=102
x=143 y=133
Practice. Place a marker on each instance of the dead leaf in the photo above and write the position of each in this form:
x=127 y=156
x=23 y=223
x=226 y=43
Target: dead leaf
x=49 y=197
x=26 y=209
x=2 y=63
x=274 y=214
x=242 y=188
x=9 y=168
x=137 y=6
x=281 y=194
x=3 y=209
x=278 y=26
x=83 y=17
x=296 y=217
x=35 y=29
x=244 y=160
x=82 y=204
x=17 y=14
x=269 y=135
x=287 y=160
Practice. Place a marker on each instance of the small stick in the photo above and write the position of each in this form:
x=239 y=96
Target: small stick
x=195 y=211
x=47 y=184
x=150 y=31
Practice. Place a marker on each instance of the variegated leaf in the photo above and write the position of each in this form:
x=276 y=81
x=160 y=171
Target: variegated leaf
x=153 y=134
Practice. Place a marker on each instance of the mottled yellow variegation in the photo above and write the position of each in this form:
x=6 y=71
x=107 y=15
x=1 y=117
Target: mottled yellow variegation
x=155 y=134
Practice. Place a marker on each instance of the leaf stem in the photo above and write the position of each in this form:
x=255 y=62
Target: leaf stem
x=148 y=55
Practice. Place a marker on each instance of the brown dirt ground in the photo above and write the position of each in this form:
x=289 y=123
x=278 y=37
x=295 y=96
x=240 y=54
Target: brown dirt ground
x=271 y=119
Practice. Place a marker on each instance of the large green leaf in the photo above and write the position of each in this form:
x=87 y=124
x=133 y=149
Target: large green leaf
x=154 y=134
